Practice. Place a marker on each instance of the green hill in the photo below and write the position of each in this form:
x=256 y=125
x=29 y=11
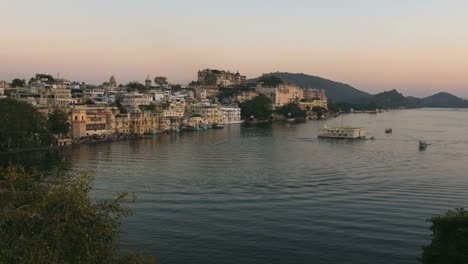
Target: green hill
x=444 y=100
x=335 y=91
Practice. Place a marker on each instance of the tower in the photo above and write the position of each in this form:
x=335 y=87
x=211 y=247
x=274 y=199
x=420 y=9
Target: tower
x=148 y=82
x=112 y=81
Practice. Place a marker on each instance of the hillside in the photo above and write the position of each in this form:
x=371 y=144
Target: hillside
x=344 y=93
x=390 y=99
x=335 y=91
x=444 y=100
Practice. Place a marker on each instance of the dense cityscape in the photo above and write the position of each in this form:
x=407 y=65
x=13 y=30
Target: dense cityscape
x=111 y=109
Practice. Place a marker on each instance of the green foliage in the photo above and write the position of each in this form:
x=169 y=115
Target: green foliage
x=136 y=86
x=449 y=239
x=58 y=122
x=48 y=78
x=89 y=102
x=18 y=83
x=22 y=126
x=210 y=79
x=260 y=107
x=318 y=111
x=226 y=93
x=122 y=108
x=160 y=80
x=291 y=108
x=53 y=220
x=346 y=107
x=270 y=80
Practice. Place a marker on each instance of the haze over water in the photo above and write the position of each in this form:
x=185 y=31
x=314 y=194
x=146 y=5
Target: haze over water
x=277 y=194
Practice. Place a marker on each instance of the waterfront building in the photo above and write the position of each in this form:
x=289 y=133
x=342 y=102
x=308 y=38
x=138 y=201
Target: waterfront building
x=281 y=94
x=92 y=120
x=314 y=98
x=211 y=112
x=221 y=78
x=232 y=115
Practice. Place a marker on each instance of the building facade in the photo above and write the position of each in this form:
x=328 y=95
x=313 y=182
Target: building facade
x=281 y=94
x=221 y=78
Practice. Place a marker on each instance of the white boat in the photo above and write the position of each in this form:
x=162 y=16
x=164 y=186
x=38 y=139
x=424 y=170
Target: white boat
x=342 y=132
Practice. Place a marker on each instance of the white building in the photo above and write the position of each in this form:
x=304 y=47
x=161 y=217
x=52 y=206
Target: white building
x=232 y=115
x=136 y=99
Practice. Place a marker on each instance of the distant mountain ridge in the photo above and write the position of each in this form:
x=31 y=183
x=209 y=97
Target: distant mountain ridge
x=344 y=93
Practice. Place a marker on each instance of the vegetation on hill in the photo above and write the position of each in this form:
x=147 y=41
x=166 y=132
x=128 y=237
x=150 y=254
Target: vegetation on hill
x=41 y=77
x=270 y=80
x=23 y=127
x=260 y=108
x=449 y=239
x=292 y=110
x=335 y=91
x=18 y=83
x=444 y=100
x=341 y=93
x=160 y=80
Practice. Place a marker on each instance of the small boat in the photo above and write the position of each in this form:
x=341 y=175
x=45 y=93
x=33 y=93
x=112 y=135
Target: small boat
x=423 y=145
x=388 y=131
x=217 y=126
x=372 y=138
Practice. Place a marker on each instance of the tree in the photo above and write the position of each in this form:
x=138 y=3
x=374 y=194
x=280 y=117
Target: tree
x=22 y=126
x=160 y=80
x=449 y=239
x=136 y=86
x=46 y=77
x=58 y=122
x=53 y=219
x=260 y=108
x=270 y=80
x=89 y=102
x=293 y=109
x=318 y=111
x=122 y=108
x=210 y=79
x=18 y=83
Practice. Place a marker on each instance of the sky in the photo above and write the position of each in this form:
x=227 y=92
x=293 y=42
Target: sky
x=418 y=47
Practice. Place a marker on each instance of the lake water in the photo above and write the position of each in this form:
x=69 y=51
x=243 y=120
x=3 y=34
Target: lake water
x=277 y=194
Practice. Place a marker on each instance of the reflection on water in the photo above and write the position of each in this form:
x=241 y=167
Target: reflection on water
x=277 y=194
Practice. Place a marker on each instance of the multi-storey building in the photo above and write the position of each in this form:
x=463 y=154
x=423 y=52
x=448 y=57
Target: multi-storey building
x=210 y=112
x=60 y=98
x=281 y=94
x=135 y=99
x=313 y=98
x=3 y=85
x=245 y=96
x=232 y=115
x=221 y=78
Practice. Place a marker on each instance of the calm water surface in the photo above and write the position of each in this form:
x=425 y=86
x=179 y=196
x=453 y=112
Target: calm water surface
x=278 y=194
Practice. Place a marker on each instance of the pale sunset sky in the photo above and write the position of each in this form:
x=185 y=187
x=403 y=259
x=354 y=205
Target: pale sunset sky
x=418 y=47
